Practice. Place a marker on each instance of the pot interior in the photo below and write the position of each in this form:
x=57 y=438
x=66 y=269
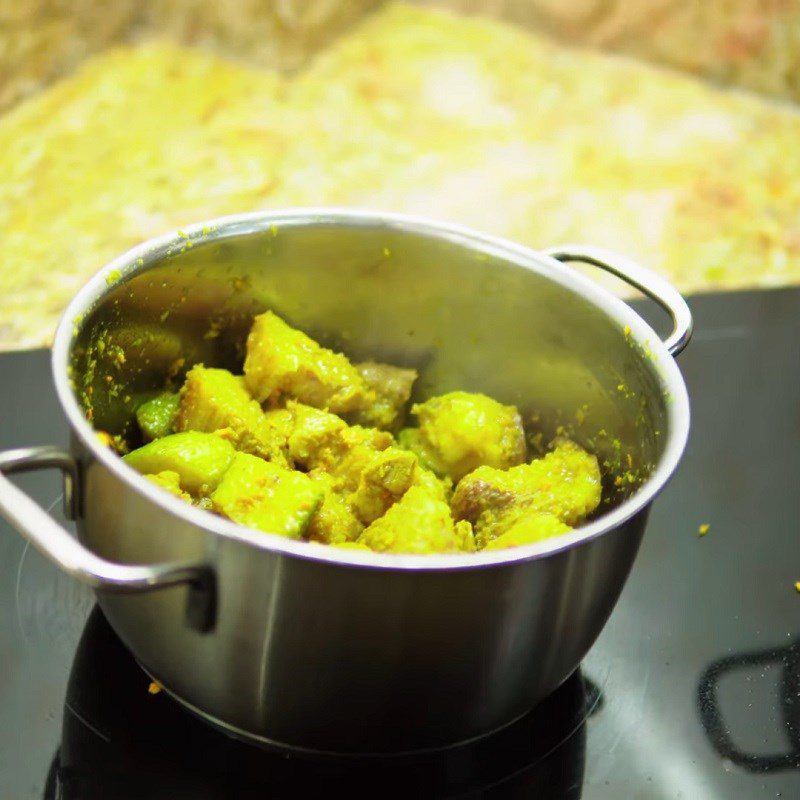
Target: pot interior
x=467 y=312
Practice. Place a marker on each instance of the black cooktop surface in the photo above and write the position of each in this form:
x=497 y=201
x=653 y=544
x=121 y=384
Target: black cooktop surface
x=692 y=690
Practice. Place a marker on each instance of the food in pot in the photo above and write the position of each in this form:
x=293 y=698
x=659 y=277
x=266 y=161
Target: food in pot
x=302 y=445
x=335 y=521
x=418 y=523
x=199 y=459
x=170 y=481
x=392 y=387
x=156 y=417
x=215 y=399
x=528 y=530
x=460 y=431
x=564 y=486
x=263 y=495
x=283 y=362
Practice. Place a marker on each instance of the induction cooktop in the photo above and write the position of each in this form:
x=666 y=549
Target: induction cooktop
x=691 y=691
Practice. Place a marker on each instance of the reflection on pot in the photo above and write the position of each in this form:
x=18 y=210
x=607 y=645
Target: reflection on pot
x=788 y=659
x=119 y=740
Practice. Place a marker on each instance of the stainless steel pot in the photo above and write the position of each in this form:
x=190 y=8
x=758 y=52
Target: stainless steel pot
x=322 y=649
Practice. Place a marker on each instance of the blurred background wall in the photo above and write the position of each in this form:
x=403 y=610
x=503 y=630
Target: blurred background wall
x=750 y=43
x=754 y=44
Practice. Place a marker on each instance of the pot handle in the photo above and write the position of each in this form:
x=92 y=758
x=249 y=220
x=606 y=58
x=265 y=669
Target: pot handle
x=647 y=282
x=55 y=542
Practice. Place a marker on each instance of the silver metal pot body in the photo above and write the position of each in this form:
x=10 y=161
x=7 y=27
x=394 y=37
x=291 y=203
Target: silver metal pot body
x=313 y=648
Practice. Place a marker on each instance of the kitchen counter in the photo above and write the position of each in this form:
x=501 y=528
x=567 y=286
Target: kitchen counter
x=412 y=110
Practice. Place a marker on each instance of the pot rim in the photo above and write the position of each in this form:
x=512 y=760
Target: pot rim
x=153 y=251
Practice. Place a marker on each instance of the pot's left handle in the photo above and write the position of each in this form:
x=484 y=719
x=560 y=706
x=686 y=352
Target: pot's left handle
x=44 y=533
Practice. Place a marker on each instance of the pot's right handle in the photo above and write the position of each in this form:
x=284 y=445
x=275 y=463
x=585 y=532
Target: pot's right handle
x=44 y=533
x=647 y=282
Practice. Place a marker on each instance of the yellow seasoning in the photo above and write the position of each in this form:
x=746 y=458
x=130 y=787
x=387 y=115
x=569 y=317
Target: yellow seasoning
x=154 y=688
x=703 y=529
x=112 y=277
x=797 y=585
x=104 y=438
